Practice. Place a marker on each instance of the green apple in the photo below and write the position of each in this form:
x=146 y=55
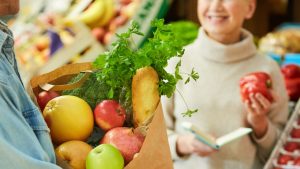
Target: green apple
x=105 y=156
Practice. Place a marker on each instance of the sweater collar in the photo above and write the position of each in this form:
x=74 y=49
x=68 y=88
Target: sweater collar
x=218 y=52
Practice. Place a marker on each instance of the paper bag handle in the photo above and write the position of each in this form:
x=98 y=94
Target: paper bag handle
x=42 y=82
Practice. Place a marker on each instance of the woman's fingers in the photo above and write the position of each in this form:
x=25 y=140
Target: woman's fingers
x=249 y=107
x=202 y=149
x=264 y=102
x=257 y=107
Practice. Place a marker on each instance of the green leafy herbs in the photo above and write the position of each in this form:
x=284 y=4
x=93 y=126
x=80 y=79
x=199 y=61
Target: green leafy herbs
x=117 y=66
x=120 y=63
x=194 y=75
x=189 y=113
x=89 y=91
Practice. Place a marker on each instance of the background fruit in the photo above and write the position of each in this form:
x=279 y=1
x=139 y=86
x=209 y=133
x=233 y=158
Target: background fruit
x=98 y=33
x=291 y=146
x=104 y=156
x=74 y=152
x=93 y=14
x=109 y=13
x=291 y=73
x=125 y=140
x=284 y=159
x=69 y=118
x=295 y=133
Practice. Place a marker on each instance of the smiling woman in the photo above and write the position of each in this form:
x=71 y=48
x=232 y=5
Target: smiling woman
x=223 y=19
x=9 y=7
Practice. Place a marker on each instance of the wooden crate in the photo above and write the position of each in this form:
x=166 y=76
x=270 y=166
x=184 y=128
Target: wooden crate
x=85 y=48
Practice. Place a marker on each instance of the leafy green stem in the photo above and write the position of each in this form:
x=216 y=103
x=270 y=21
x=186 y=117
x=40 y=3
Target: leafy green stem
x=189 y=112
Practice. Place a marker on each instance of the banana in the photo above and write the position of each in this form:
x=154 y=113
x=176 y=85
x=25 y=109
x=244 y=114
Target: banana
x=94 y=13
x=110 y=11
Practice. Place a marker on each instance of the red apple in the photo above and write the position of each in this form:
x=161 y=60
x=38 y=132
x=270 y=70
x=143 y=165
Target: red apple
x=117 y=22
x=130 y=9
x=44 y=97
x=291 y=146
x=98 y=33
x=109 y=114
x=42 y=43
x=125 y=2
x=107 y=37
x=284 y=159
x=295 y=133
x=125 y=140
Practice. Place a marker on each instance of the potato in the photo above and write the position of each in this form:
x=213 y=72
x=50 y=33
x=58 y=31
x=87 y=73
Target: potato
x=145 y=95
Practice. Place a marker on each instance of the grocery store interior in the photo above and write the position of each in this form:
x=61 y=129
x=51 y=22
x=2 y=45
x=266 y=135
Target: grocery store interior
x=41 y=25
x=49 y=34
x=32 y=23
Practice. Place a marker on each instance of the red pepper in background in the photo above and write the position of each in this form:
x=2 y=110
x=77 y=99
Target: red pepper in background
x=291 y=73
x=256 y=82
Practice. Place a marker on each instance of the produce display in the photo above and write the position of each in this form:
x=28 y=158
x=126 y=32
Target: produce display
x=126 y=84
x=291 y=73
x=286 y=154
x=42 y=42
x=103 y=17
x=50 y=39
x=281 y=42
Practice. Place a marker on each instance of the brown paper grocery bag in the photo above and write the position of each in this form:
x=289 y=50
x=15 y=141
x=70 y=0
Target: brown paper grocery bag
x=154 y=154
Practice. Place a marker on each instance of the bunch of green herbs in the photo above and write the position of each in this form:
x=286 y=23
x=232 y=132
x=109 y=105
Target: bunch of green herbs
x=118 y=65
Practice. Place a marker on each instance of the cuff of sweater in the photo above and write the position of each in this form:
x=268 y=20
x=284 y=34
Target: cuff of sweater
x=172 y=143
x=267 y=141
x=173 y=147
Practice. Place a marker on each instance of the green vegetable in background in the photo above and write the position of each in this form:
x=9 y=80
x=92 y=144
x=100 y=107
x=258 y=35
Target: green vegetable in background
x=186 y=31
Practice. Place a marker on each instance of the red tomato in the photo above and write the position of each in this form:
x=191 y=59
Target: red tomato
x=291 y=146
x=295 y=133
x=284 y=159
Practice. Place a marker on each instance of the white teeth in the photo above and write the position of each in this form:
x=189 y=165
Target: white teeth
x=217 y=18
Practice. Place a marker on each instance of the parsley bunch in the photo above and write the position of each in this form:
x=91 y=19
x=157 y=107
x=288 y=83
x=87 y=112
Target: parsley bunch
x=119 y=65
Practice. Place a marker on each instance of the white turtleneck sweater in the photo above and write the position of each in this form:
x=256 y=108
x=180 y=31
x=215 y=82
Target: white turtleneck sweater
x=217 y=96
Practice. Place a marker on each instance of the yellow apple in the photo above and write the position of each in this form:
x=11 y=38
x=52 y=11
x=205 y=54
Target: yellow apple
x=74 y=152
x=69 y=118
